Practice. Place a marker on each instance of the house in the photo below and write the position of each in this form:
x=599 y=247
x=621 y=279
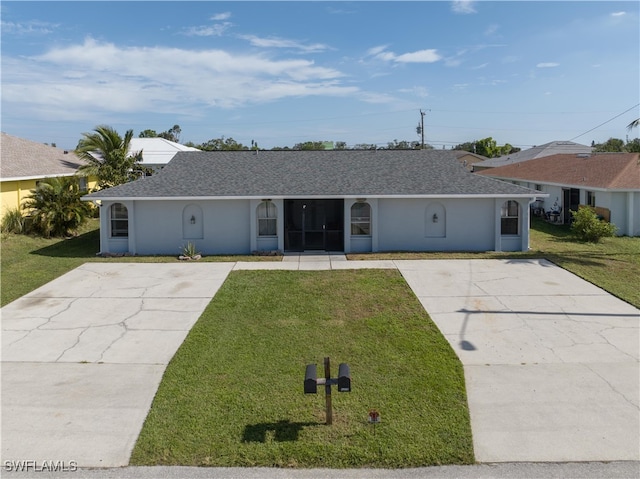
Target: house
x=548 y=149
x=24 y=163
x=609 y=182
x=238 y=202
x=157 y=152
x=469 y=160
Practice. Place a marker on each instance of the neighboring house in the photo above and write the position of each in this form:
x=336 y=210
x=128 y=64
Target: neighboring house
x=469 y=160
x=23 y=163
x=238 y=202
x=609 y=182
x=157 y=152
x=548 y=149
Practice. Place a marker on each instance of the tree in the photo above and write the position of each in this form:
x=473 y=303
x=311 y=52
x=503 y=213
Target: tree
x=148 y=134
x=107 y=157
x=405 y=145
x=172 y=134
x=487 y=147
x=633 y=146
x=310 y=145
x=55 y=207
x=634 y=124
x=222 y=144
x=612 y=145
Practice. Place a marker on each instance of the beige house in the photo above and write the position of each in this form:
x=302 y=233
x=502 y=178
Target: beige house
x=23 y=163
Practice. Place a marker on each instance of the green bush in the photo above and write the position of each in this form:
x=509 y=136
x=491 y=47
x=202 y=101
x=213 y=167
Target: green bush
x=13 y=222
x=588 y=227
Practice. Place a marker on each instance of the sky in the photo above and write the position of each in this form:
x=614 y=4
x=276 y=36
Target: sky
x=282 y=73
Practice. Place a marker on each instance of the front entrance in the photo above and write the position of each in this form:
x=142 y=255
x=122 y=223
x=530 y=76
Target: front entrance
x=314 y=225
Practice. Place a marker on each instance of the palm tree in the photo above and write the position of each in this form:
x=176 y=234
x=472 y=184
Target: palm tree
x=107 y=156
x=55 y=206
x=633 y=124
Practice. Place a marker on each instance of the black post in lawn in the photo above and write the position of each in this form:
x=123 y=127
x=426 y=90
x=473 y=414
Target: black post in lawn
x=343 y=382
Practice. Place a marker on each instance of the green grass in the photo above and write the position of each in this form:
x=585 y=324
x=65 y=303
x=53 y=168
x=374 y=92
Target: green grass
x=28 y=262
x=233 y=393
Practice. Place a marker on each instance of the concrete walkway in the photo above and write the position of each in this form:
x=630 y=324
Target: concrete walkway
x=551 y=362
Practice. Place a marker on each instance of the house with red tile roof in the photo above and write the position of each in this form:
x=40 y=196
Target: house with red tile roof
x=609 y=182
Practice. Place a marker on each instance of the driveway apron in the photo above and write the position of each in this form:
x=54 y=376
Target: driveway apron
x=82 y=357
x=550 y=360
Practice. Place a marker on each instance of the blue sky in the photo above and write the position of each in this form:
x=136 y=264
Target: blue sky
x=282 y=73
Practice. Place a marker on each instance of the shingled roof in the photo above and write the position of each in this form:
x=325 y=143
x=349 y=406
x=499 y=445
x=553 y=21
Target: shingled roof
x=540 y=151
x=25 y=159
x=602 y=170
x=339 y=173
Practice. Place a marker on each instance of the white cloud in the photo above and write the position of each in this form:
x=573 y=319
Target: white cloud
x=215 y=30
x=377 y=50
x=547 y=65
x=463 y=6
x=95 y=77
x=274 y=42
x=33 y=27
x=421 y=56
x=221 y=16
x=618 y=14
x=419 y=91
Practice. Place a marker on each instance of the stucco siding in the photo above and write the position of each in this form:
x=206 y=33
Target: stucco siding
x=159 y=227
x=404 y=225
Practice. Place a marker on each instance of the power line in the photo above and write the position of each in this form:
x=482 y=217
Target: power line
x=610 y=119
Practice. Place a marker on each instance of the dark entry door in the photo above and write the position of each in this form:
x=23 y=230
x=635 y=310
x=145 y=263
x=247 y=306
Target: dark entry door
x=314 y=225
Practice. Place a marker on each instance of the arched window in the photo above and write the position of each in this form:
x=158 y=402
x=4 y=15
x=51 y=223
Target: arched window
x=119 y=216
x=267 y=219
x=510 y=218
x=361 y=219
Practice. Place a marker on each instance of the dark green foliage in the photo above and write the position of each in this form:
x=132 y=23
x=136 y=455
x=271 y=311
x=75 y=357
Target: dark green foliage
x=13 y=222
x=55 y=207
x=588 y=227
x=108 y=158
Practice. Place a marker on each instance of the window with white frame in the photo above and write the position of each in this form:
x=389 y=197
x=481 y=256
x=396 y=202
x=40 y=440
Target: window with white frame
x=510 y=218
x=361 y=219
x=267 y=219
x=591 y=198
x=119 y=216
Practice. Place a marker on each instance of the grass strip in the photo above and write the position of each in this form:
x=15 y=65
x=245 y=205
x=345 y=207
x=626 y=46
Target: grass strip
x=233 y=393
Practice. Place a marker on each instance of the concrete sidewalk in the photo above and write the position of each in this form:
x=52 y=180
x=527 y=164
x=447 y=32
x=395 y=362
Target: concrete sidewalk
x=551 y=361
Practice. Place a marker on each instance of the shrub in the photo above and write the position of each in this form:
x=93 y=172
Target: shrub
x=13 y=222
x=588 y=227
x=56 y=208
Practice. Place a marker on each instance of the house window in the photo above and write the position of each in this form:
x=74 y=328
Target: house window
x=267 y=219
x=510 y=218
x=119 y=220
x=82 y=183
x=591 y=198
x=361 y=219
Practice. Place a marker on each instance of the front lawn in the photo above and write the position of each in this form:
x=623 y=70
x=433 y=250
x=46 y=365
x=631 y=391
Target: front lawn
x=233 y=393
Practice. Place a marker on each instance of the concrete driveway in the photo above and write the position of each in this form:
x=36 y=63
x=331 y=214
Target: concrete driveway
x=550 y=361
x=82 y=357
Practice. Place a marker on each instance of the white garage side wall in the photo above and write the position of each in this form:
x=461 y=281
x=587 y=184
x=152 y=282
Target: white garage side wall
x=159 y=227
x=470 y=225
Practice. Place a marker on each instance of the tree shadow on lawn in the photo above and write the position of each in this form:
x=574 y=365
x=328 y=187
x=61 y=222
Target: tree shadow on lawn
x=283 y=430
x=82 y=246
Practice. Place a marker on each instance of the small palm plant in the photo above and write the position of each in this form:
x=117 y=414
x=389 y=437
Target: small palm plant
x=55 y=207
x=189 y=251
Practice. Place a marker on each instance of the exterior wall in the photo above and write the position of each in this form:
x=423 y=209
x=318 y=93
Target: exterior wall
x=230 y=226
x=406 y=225
x=14 y=192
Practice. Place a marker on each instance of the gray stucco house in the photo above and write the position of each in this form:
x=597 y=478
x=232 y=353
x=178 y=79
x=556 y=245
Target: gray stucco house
x=341 y=200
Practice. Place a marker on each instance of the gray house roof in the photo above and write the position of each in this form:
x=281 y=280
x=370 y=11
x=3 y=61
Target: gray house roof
x=24 y=159
x=548 y=149
x=337 y=173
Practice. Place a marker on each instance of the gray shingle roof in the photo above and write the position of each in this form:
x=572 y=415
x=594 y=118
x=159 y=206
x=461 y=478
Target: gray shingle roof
x=269 y=174
x=27 y=159
x=548 y=149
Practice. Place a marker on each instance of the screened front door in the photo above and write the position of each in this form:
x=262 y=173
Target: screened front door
x=314 y=225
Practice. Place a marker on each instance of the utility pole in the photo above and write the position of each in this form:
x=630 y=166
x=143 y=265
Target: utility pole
x=420 y=128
